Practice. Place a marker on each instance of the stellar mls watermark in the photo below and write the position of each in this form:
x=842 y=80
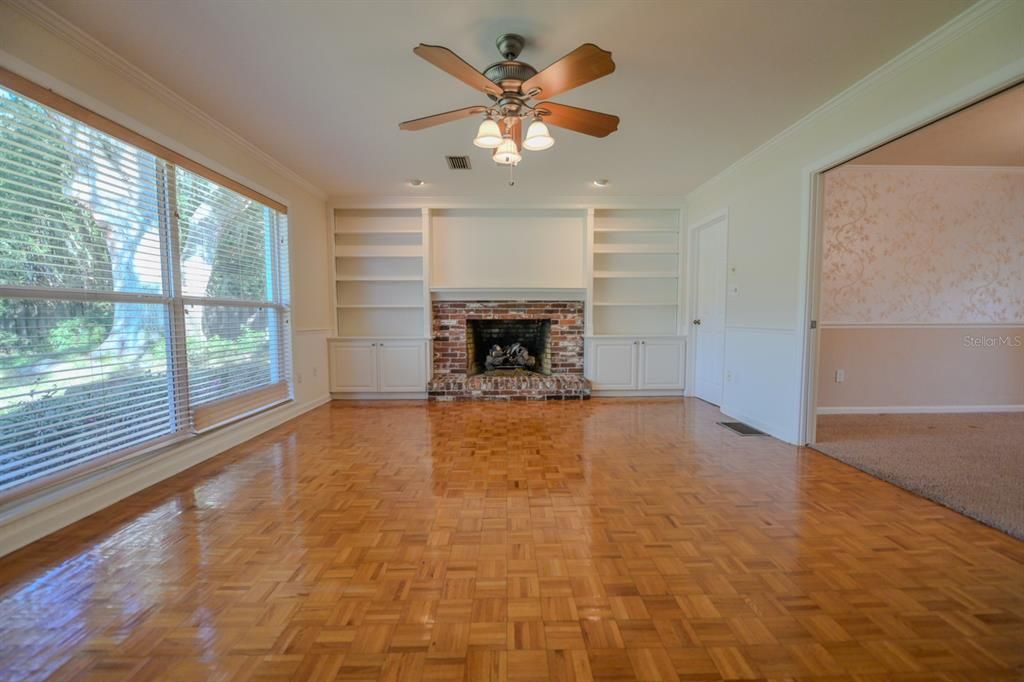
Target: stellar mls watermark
x=993 y=341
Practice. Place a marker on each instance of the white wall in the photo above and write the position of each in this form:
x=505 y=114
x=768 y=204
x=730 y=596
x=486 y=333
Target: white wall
x=473 y=248
x=765 y=193
x=58 y=57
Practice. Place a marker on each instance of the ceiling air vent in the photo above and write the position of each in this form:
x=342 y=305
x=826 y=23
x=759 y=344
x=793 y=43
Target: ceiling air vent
x=458 y=162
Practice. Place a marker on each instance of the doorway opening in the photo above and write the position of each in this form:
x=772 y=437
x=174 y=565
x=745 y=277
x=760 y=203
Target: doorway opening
x=919 y=350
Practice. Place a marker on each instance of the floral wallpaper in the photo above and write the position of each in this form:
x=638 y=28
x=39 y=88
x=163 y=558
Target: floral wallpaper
x=906 y=245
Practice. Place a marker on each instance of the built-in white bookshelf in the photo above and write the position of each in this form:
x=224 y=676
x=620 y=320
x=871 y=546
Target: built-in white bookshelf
x=380 y=273
x=636 y=273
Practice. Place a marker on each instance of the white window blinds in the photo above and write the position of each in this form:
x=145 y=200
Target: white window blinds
x=139 y=301
x=232 y=287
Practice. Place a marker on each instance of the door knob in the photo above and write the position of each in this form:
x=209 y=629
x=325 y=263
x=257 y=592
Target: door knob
x=697 y=321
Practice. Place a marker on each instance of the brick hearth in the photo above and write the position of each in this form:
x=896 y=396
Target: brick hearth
x=450 y=379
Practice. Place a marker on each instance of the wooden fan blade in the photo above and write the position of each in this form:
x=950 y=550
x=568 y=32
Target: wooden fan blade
x=448 y=61
x=586 y=63
x=581 y=120
x=515 y=128
x=438 y=119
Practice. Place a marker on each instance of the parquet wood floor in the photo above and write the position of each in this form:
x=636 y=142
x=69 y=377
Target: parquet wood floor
x=600 y=540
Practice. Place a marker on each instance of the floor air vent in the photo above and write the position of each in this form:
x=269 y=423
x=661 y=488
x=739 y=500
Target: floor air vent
x=743 y=429
x=458 y=162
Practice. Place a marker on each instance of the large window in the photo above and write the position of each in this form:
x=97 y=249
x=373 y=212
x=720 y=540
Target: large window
x=140 y=302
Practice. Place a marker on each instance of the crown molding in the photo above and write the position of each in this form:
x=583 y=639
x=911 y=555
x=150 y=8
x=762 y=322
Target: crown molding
x=567 y=203
x=948 y=32
x=925 y=168
x=65 y=30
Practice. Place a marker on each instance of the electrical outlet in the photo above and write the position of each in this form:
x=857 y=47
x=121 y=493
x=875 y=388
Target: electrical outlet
x=840 y=376
x=728 y=375
x=298 y=377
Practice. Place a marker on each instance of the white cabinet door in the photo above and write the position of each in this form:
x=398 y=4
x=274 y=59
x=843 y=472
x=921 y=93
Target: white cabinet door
x=402 y=366
x=662 y=363
x=613 y=364
x=353 y=366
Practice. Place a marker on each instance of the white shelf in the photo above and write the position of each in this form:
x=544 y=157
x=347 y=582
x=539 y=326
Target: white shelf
x=633 y=304
x=366 y=251
x=376 y=278
x=674 y=230
x=390 y=230
x=633 y=336
x=380 y=274
x=380 y=305
x=636 y=248
x=378 y=338
x=636 y=274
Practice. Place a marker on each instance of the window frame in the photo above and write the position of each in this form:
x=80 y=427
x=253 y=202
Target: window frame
x=182 y=413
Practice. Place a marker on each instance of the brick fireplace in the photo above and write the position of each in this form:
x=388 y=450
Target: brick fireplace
x=464 y=331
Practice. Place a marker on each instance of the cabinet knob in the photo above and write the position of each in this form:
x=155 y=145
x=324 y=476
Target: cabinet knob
x=697 y=321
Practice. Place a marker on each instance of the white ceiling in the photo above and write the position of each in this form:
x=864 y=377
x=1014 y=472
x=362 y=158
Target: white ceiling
x=322 y=86
x=989 y=133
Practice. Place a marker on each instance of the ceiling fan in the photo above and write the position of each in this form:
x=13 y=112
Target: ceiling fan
x=511 y=84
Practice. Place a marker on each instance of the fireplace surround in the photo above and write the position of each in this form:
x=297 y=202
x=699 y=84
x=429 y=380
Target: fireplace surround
x=465 y=331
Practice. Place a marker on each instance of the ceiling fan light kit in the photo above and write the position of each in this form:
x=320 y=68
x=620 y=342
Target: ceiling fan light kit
x=507 y=154
x=538 y=138
x=511 y=84
x=488 y=135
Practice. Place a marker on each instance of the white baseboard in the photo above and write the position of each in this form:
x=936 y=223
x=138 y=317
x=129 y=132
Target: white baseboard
x=596 y=393
x=920 y=409
x=26 y=521
x=379 y=396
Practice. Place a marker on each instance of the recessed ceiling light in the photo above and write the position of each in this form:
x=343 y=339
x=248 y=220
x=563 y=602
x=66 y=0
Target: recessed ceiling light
x=601 y=182
x=416 y=182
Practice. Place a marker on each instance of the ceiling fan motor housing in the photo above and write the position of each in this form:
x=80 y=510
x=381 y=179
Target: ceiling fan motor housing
x=510 y=73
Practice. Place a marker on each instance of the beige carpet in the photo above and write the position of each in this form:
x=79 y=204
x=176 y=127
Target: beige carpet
x=973 y=463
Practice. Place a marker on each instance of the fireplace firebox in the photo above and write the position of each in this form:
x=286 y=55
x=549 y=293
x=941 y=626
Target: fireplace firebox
x=502 y=345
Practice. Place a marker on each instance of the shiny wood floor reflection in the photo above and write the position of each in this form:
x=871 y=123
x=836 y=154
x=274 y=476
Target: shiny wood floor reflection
x=606 y=540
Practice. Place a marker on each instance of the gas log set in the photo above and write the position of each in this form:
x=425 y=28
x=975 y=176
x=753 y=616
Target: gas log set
x=513 y=356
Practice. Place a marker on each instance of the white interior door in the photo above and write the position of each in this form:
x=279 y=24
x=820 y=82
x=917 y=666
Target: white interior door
x=709 y=323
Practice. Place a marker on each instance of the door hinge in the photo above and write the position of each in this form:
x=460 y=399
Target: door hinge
x=814 y=324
